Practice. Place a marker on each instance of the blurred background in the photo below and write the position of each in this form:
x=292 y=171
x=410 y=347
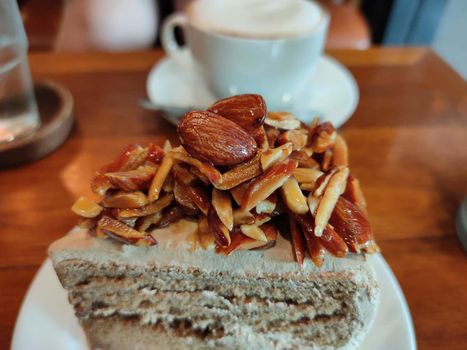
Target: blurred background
x=123 y=25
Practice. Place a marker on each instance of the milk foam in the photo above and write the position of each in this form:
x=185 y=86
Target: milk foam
x=256 y=18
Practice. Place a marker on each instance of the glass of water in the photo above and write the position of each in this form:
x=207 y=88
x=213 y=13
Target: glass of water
x=18 y=110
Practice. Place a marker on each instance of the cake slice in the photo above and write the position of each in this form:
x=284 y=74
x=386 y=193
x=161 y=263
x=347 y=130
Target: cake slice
x=173 y=297
x=250 y=235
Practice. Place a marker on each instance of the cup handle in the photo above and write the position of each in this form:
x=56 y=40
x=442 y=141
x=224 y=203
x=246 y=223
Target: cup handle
x=178 y=53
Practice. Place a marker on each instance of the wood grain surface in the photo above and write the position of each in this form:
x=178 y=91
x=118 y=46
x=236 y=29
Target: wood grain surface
x=408 y=147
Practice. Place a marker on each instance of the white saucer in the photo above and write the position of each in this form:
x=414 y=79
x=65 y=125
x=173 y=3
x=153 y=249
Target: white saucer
x=331 y=94
x=47 y=322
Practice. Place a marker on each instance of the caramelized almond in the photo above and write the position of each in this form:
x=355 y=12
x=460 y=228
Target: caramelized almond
x=262 y=187
x=212 y=138
x=298 y=244
x=125 y=200
x=351 y=224
x=246 y=110
x=86 y=208
x=220 y=231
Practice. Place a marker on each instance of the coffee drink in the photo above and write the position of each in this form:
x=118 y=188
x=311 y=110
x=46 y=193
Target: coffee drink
x=264 y=19
x=268 y=47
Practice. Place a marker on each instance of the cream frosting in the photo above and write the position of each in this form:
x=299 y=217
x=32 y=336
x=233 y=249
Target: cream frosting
x=176 y=248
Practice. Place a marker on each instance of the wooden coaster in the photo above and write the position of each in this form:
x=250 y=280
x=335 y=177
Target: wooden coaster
x=55 y=104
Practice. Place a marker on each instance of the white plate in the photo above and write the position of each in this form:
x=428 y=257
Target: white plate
x=47 y=322
x=331 y=94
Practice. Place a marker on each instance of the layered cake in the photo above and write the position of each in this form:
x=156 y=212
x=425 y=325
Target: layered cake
x=252 y=234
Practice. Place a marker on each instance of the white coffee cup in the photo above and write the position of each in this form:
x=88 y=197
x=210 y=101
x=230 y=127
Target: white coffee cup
x=268 y=47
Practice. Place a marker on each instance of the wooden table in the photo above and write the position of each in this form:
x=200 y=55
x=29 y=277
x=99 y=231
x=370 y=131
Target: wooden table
x=408 y=143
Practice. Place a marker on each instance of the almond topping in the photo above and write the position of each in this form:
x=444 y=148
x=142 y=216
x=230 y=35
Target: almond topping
x=212 y=138
x=298 y=138
x=159 y=179
x=125 y=200
x=241 y=217
x=223 y=206
x=220 y=231
x=262 y=187
x=326 y=206
x=307 y=175
x=340 y=152
x=293 y=196
x=268 y=205
x=124 y=233
x=206 y=237
x=275 y=155
x=246 y=110
x=254 y=232
x=147 y=209
x=86 y=208
x=282 y=120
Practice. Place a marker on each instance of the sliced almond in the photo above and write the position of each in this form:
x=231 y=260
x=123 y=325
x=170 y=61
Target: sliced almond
x=241 y=217
x=182 y=197
x=354 y=194
x=340 y=152
x=223 y=206
x=148 y=209
x=261 y=219
x=143 y=223
x=238 y=192
x=298 y=138
x=307 y=186
x=351 y=224
x=331 y=195
x=308 y=175
x=272 y=134
x=183 y=174
x=275 y=155
x=118 y=230
x=323 y=181
x=308 y=151
x=297 y=239
x=333 y=243
x=206 y=237
x=261 y=138
x=159 y=179
x=89 y=224
x=323 y=137
x=242 y=242
x=132 y=180
x=268 y=205
x=86 y=208
x=254 y=232
x=125 y=200
x=100 y=233
x=293 y=196
x=304 y=160
x=327 y=158
x=169 y=183
x=220 y=231
x=167 y=146
x=262 y=187
x=313 y=204
x=239 y=174
x=282 y=120
x=181 y=155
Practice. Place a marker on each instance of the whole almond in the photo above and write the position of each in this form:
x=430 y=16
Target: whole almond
x=246 y=110
x=215 y=139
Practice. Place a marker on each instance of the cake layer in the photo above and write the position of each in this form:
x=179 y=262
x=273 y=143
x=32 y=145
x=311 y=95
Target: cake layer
x=198 y=299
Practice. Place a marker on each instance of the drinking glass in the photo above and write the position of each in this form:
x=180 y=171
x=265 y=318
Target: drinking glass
x=18 y=110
